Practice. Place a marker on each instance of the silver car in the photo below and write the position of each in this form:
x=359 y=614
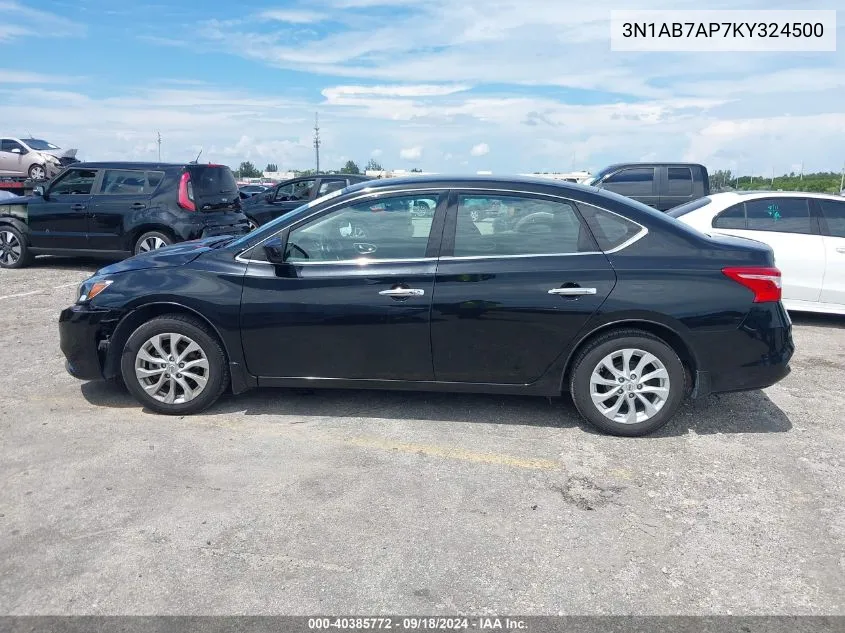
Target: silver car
x=32 y=158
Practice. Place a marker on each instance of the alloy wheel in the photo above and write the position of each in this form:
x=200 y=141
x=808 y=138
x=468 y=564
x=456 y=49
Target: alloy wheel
x=152 y=243
x=629 y=386
x=10 y=248
x=37 y=172
x=172 y=368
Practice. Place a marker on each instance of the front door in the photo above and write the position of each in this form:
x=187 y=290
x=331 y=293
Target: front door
x=355 y=300
x=59 y=220
x=513 y=288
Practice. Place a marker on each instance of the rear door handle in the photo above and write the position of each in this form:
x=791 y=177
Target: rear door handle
x=572 y=292
x=78 y=207
x=841 y=250
x=403 y=292
x=138 y=205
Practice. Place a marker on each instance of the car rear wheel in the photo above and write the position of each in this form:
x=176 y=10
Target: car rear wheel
x=152 y=241
x=174 y=365
x=14 y=252
x=36 y=172
x=628 y=382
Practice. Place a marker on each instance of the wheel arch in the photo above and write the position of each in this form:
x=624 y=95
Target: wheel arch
x=17 y=224
x=137 y=231
x=662 y=331
x=141 y=314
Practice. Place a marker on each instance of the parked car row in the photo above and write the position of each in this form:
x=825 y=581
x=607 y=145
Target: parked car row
x=398 y=284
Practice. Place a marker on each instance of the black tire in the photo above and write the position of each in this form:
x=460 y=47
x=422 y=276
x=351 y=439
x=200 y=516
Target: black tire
x=12 y=241
x=217 y=375
x=150 y=238
x=588 y=360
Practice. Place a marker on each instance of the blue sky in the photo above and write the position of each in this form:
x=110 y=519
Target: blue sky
x=501 y=85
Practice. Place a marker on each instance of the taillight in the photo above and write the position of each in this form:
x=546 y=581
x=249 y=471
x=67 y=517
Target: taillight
x=186 y=193
x=763 y=282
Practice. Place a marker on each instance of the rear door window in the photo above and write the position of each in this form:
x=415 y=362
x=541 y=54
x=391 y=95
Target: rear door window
x=680 y=181
x=781 y=215
x=129 y=182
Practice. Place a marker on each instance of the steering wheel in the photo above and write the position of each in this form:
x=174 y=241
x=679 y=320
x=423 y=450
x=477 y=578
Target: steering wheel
x=533 y=221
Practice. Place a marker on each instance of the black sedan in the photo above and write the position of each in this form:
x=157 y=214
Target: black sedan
x=569 y=288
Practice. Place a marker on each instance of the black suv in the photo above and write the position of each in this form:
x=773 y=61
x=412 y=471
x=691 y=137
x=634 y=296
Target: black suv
x=116 y=210
x=290 y=194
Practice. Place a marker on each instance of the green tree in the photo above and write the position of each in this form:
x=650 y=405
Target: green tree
x=271 y=167
x=248 y=170
x=350 y=168
x=373 y=165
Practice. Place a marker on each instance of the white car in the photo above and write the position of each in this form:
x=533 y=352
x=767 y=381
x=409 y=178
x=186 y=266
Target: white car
x=32 y=158
x=805 y=230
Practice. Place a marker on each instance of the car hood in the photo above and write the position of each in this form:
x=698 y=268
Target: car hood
x=169 y=256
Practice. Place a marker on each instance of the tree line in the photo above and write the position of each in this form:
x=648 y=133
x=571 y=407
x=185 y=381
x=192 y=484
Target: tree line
x=818 y=182
x=248 y=170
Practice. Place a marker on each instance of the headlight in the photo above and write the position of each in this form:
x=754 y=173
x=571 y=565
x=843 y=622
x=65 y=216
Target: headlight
x=91 y=288
x=53 y=159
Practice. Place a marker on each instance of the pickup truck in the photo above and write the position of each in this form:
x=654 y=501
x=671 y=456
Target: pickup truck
x=659 y=185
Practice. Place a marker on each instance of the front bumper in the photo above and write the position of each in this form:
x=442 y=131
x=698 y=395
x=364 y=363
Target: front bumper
x=83 y=336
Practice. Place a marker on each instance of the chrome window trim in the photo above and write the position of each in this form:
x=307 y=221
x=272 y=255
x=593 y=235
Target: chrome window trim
x=368 y=193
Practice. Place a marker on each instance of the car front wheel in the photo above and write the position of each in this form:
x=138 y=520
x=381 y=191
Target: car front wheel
x=36 y=172
x=628 y=382
x=174 y=365
x=14 y=252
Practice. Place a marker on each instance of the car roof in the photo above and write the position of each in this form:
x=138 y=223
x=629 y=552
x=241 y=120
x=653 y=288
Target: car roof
x=745 y=195
x=138 y=165
x=651 y=164
x=464 y=181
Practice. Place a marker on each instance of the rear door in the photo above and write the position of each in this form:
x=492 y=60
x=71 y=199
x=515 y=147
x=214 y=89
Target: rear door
x=514 y=287
x=121 y=196
x=355 y=302
x=637 y=182
x=833 y=236
x=59 y=220
x=676 y=186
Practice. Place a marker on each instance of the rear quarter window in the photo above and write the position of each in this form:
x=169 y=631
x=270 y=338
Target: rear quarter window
x=610 y=230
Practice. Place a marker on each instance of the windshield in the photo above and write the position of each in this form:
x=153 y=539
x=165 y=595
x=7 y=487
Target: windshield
x=685 y=208
x=270 y=227
x=39 y=144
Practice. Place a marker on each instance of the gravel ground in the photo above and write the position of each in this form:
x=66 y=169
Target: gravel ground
x=280 y=502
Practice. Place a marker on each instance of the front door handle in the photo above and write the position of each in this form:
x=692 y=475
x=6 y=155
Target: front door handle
x=576 y=291
x=138 y=205
x=403 y=292
x=77 y=207
x=841 y=250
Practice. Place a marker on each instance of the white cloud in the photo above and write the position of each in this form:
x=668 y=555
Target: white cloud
x=293 y=16
x=376 y=153
x=19 y=20
x=10 y=76
x=411 y=153
x=480 y=150
x=337 y=93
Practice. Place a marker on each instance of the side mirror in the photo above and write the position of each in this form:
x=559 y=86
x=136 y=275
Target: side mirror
x=274 y=248
x=16 y=150
x=39 y=191
x=269 y=197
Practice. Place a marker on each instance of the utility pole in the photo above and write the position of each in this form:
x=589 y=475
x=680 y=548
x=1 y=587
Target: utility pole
x=159 y=146
x=773 y=177
x=842 y=180
x=317 y=139
x=801 y=176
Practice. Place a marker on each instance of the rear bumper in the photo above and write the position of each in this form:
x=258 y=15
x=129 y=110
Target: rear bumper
x=83 y=338
x=754 y=356
x=211 y=225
